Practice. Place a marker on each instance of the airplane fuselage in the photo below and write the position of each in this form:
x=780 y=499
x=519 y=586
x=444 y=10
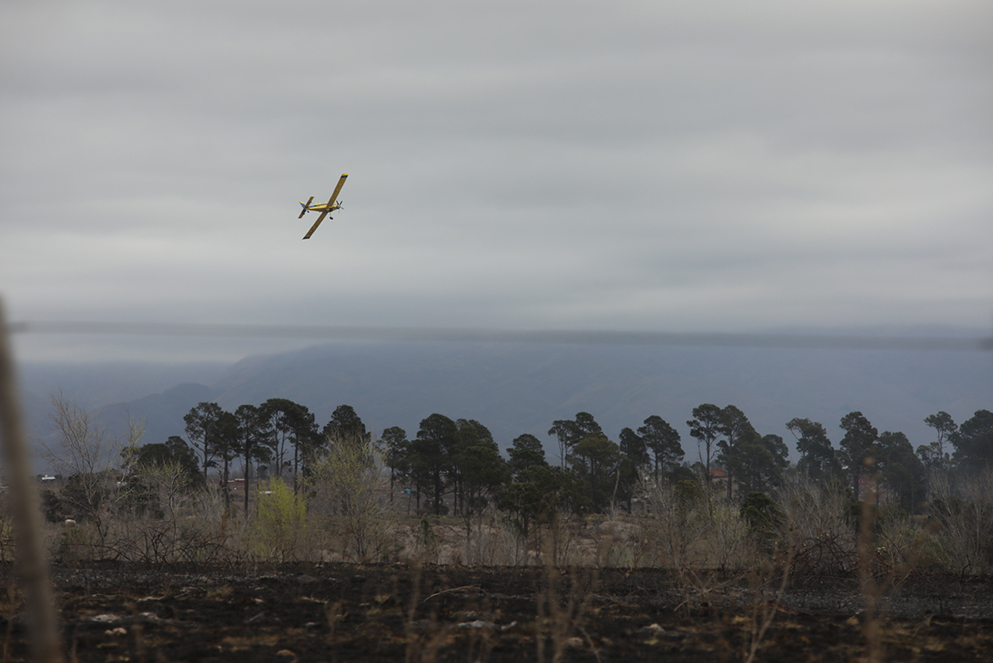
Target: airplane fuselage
x=323 y=207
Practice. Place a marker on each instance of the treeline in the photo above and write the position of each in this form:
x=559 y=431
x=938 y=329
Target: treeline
x=455 y=465
x=336 y=491
x=595 y=473
x=278 y=434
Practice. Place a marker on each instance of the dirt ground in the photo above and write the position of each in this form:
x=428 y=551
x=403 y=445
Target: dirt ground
x=341 y=612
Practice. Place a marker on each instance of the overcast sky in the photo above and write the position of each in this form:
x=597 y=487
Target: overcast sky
x=712 y=166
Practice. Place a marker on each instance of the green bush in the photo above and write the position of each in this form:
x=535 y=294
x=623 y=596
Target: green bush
x=278 y=525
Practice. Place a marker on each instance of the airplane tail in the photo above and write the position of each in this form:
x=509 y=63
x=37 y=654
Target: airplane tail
x=305 y=206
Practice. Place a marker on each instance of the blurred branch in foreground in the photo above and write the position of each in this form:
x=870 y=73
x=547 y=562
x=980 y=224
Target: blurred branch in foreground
x=33 y=564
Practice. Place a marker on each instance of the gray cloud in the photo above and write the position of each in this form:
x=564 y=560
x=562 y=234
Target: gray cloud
x=629 y=165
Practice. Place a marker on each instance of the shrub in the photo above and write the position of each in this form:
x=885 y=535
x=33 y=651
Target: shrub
x=278 y=525
x=674 y=523
x=818 y=528
x=966 y=524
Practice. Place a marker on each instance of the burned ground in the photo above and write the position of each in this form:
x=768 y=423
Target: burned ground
x=339 y=612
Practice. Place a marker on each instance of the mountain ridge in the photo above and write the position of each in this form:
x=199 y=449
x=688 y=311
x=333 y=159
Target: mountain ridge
x=521 y=388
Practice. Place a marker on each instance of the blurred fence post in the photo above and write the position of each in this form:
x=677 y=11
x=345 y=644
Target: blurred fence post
x=32 y=563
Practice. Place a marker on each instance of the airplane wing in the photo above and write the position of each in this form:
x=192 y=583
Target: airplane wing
x=337 y=190
x=327 y=208
x=316 y=223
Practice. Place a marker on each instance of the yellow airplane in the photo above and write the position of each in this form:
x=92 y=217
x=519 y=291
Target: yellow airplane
x=323 y=208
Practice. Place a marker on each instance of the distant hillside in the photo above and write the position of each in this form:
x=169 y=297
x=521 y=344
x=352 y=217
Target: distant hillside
x=514 y=389
x=92 y=386
x=162 y=414
x=96 y=384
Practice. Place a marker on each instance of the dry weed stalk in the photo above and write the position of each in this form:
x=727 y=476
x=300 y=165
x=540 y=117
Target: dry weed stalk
x=882 y=571
x=560 y=617
x=563 y=614
x=867 y=582
x=334 y=615
x=415 y=597
x=765 y=605
x=422 y=647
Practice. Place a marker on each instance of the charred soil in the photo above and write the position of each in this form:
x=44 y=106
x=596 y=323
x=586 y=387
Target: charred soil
x=341 y=612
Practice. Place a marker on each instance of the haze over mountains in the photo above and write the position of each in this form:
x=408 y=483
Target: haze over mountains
x=521 y=388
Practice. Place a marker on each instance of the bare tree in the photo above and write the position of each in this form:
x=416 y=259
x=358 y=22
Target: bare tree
x=88 y=458
x=347 y=493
